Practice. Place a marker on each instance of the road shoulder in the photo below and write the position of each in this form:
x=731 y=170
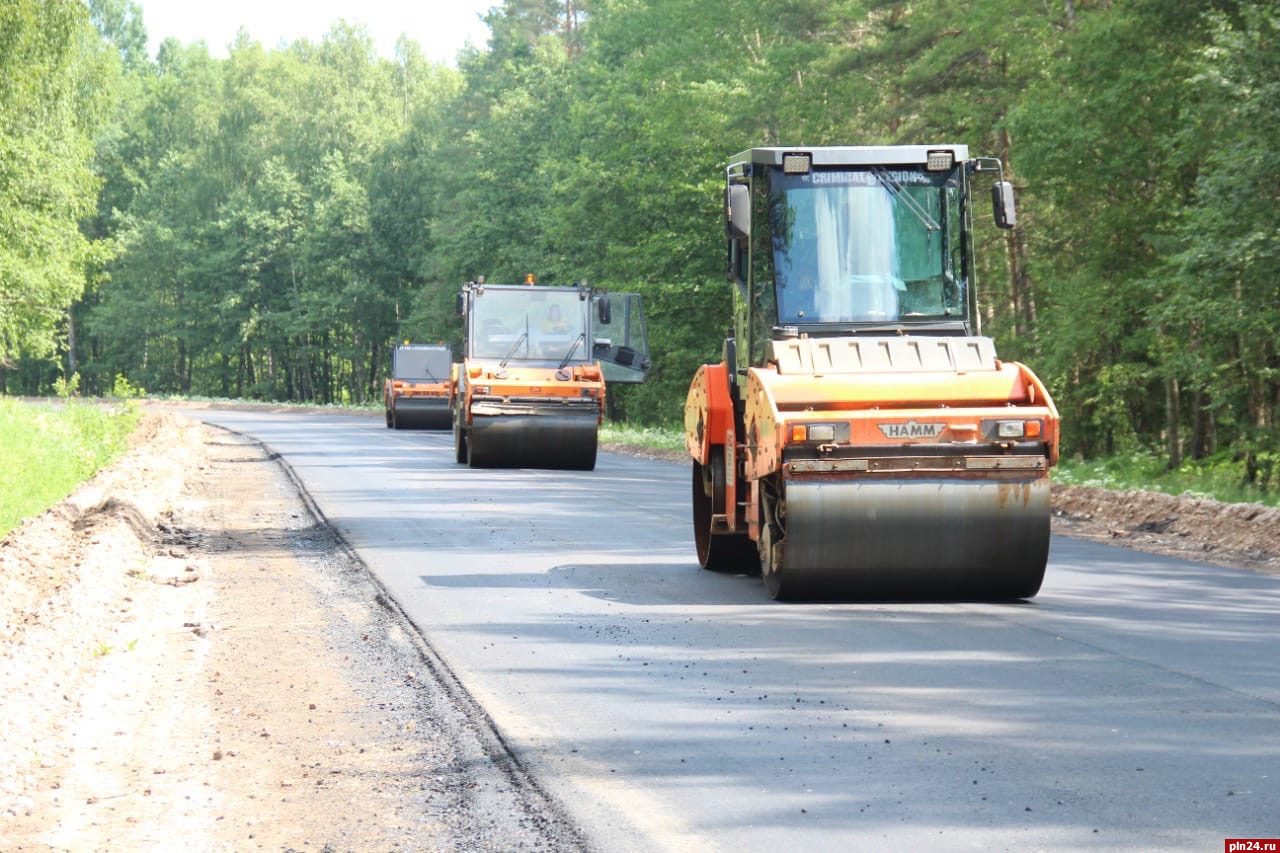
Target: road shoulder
x=211 y=664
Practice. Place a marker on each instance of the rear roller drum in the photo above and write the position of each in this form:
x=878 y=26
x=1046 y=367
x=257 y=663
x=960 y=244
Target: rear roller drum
x=409 y=415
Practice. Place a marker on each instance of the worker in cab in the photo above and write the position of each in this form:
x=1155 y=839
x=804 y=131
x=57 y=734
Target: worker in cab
x=555 y=324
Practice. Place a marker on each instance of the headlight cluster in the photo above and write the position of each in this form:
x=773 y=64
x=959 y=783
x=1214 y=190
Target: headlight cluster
x=823 y=433
x=1018 y=429
x=813 y=432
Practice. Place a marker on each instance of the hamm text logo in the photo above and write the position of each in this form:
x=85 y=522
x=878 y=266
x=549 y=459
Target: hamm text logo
x=911 y=429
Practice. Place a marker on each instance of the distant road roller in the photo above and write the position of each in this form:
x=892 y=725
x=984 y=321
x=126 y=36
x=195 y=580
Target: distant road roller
x=530 y=390
x=859 y=437
x=416 y=395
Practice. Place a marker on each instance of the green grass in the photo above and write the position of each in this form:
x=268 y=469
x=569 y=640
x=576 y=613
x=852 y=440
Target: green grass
x=1220 y=478
x=666 y=438
x=47 y=449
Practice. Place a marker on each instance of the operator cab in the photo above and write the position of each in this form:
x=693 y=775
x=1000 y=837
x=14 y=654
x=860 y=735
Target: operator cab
x=556 y=327
x=852 y=240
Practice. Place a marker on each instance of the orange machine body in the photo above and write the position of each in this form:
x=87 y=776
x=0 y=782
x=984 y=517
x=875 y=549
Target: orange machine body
x=530 y=391
x=417 y=394
x=492 y=389
x=860 y=435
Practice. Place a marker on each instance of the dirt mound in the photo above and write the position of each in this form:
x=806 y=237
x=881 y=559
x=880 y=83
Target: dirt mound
x=1240 y=535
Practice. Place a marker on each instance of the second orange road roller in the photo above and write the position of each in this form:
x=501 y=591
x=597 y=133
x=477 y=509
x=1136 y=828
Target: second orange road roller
x=860 y=438
x=416 y=394
x=530 y=391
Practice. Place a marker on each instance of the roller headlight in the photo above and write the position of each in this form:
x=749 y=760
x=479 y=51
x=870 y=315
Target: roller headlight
x=940 y=161
x=1012 y=430
x=797 y=163
x=818 y=433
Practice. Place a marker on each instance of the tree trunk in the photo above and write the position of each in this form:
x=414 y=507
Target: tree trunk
x=1172 y=411
x=1021 y=293
x=72 y=366
x=183 y=367
x=306 y=379
x=1202 y=427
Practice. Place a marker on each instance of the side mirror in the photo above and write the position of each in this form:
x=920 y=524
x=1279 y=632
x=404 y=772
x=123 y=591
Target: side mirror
x=737 y=211
x=603 y=310
x=1002 y=205
x=460 y=304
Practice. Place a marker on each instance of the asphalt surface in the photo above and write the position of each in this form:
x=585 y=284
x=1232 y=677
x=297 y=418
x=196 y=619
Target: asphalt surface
x=1133 y=704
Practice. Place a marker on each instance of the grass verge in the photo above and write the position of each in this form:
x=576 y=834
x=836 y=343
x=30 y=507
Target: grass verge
x=665 y=438
x=1218 y=478
x=47 y=449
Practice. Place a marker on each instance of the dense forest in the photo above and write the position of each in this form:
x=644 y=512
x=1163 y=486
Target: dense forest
x=265 y=225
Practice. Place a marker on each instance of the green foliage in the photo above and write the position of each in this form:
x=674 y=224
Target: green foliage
x=67 y=388
x=1154 y=331
x=52 y=96
x=1220 y=313
x=266 y=225
x=47 y=450
x=123 y=389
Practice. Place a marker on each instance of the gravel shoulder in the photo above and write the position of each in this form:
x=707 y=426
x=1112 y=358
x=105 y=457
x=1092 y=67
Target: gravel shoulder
x=188 y=652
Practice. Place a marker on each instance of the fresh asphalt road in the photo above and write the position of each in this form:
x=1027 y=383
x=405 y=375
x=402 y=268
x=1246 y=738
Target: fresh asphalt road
x=1135 y=703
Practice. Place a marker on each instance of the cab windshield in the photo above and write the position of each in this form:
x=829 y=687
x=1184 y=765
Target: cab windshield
x=868 y=245
x=528 y=323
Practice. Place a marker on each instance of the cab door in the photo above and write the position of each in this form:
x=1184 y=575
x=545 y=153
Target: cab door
x=619 y=340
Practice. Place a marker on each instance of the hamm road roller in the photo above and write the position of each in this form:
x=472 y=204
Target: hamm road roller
x=530 y=391
x=859 y=437
x=416 y=394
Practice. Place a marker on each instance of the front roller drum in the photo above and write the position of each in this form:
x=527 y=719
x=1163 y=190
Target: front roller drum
x=906 y=539
x=565 y=441
x=420 y=413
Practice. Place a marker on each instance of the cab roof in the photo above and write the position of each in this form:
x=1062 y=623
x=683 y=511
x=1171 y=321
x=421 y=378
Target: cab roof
x=852 y=155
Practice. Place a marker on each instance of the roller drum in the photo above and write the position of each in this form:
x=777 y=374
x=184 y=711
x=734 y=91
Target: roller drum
x=936 y=539
x=566 y=441
x=422 y=413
